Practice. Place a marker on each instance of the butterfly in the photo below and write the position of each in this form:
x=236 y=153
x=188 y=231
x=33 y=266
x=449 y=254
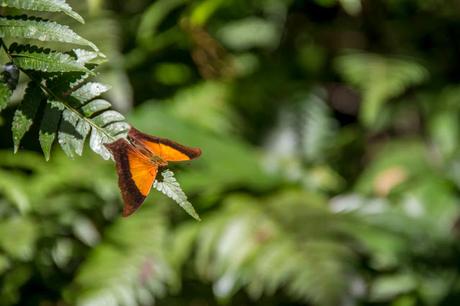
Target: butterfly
x=138 y=159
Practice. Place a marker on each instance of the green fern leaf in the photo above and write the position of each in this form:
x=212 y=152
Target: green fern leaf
x=5 y=94
x=43 y=30
x=89 y=91
x=43 y=6
x=85 y=56
x=72 y=133
x=380 y=79
x=171 y=188
x=25 y=114
x=95 y=106
x=49 y=126
x=40 y=60
x=97 y=141
x=108 y=117
x=117 y=128
x=126 y=271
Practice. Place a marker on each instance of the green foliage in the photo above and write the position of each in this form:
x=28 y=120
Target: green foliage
x=40 y=29
x=170 y=187
x=124 y=270
x=29 y=58
x=328 y=177
x=379 y=78
x=246 y=245
x=61 y=81
x=43 y=6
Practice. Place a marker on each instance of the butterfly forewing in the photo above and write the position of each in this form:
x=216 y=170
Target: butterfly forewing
x=136 y=174
x=167 y=149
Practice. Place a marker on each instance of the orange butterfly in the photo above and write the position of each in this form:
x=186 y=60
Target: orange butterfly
x=137 y=161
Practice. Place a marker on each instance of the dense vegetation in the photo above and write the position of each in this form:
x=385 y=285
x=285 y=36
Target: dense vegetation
x=330 y=172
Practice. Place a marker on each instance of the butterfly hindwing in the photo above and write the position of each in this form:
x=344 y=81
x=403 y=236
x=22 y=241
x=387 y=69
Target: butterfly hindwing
x=168 y=150
x=136 y=174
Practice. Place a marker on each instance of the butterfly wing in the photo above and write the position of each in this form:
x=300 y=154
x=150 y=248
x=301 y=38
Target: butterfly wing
x=136 y=174
x=168 y=150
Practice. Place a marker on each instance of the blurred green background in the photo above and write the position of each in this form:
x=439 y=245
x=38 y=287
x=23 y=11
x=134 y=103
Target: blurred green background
x=330 y=173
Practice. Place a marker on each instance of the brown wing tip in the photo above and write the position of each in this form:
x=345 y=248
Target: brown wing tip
x=194 y=153
x=128 y=210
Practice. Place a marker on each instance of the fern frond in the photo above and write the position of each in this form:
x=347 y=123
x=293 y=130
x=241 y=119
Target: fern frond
x=380 y=79
x=43 y=6
x=45 y=60
x=171 y=188
x=40 y=29
x=123 y=270
x=25 y=114
x=255 y=246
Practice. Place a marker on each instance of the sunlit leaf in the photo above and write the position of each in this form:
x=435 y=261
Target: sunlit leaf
x=43 y=30
x=72 y=133
x=46 y=61
x=95 y=106
x=89 y=91
x=170 y=187
x=43 y=6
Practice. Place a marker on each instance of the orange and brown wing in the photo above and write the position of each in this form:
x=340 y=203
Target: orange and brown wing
x=165 y=148
x=136 y=174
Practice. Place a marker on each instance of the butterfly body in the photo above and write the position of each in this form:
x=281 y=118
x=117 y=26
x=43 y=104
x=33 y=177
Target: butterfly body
x=138 y=159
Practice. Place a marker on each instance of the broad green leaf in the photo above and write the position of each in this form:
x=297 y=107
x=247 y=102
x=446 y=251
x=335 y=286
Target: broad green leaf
x=43 y=6
x=72 y=133
x=95 y=106
x=171 y=188
x=47 y=62
x=108 y=117
x=97 y=141
x=5 y=94
x=49 y=126
x=34 y=28
x=25 y=114
x=89 y=91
